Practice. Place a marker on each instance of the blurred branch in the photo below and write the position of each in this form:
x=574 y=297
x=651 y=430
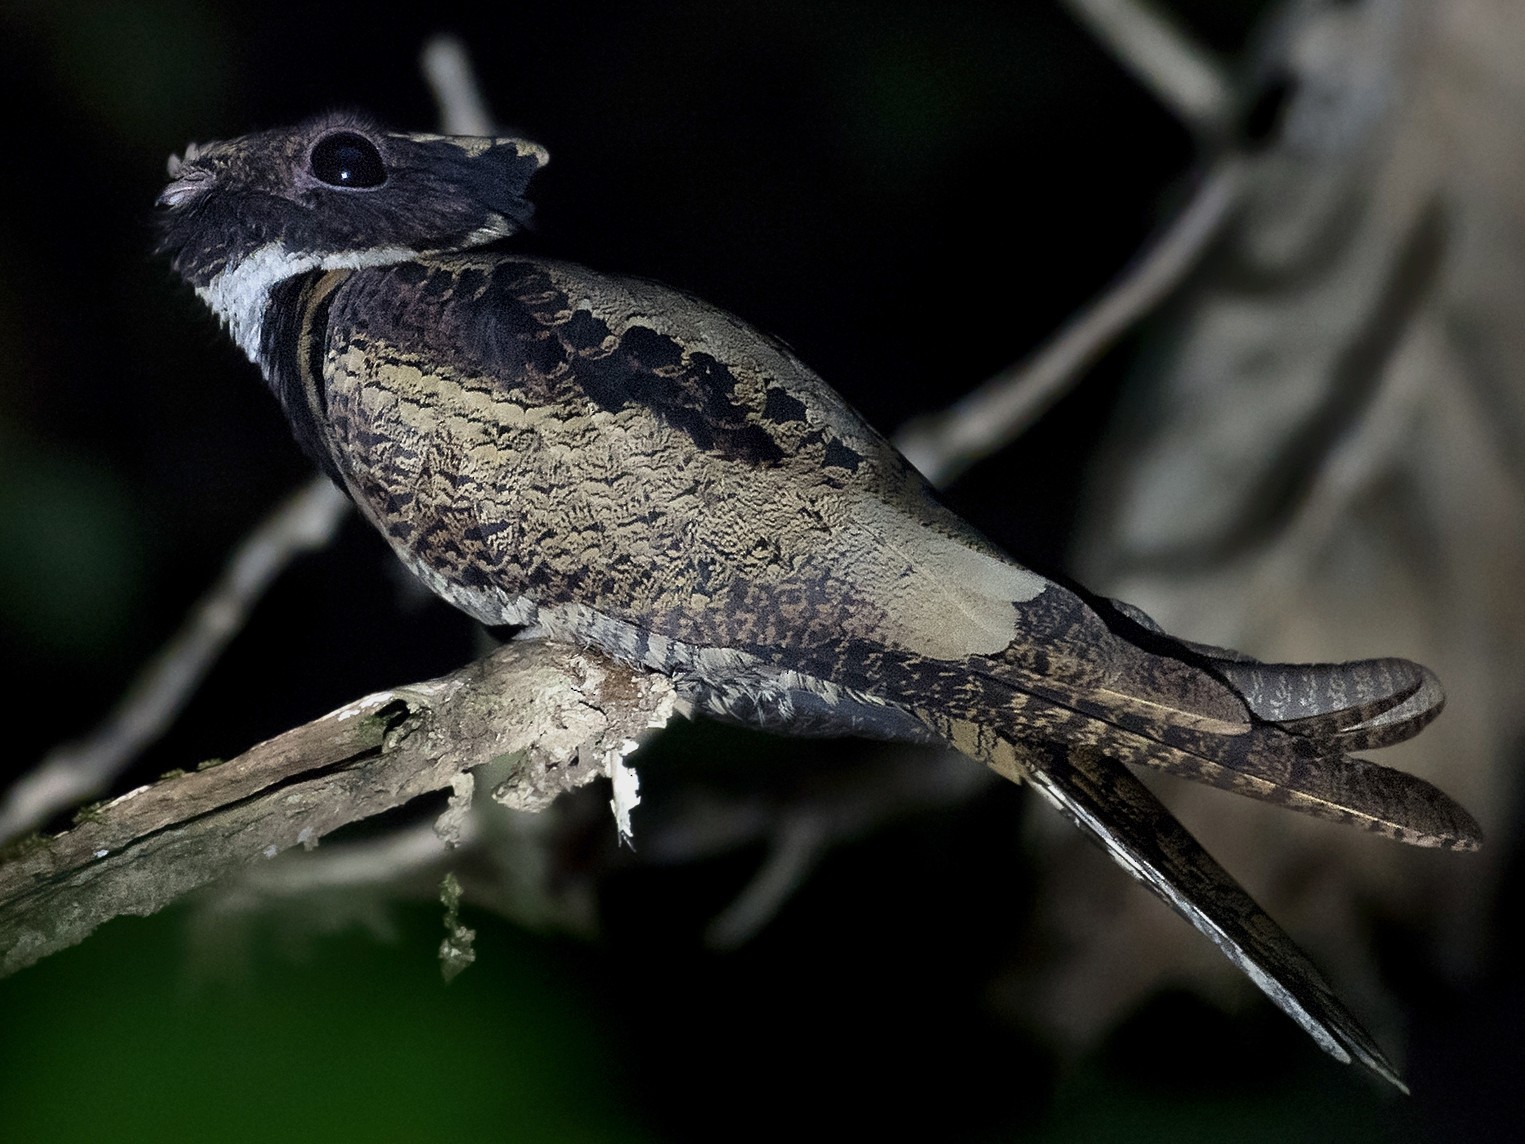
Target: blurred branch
x=799 y=832
x=798 y=842
x=447 y=70
x=1369 y=452
x=942 y=445
x=76 y=771
x=351 y=867
x=560 y=716
x=1178 y=71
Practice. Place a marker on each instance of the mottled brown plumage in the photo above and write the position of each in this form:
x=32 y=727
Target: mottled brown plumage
x=625 y=466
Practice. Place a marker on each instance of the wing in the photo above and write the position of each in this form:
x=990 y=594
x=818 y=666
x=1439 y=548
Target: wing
x=524 y=429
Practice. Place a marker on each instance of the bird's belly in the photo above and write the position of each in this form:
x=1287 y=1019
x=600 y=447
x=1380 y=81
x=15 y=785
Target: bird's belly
x=738 y=686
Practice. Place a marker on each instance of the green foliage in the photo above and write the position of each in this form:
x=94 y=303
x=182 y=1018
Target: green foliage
x=126 y=1038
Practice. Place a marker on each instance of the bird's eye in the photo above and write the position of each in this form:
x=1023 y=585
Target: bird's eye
x=345 y=159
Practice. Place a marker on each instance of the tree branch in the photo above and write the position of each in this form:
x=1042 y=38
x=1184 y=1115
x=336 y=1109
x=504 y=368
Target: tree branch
x=558 y=715
x=79 y=770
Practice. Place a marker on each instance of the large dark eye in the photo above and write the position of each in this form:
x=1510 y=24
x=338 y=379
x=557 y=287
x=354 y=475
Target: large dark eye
x=345 y=159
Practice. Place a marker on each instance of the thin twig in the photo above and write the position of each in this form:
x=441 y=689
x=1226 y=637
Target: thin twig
x=77 y=771
x=1181 y=73
x=943 y=444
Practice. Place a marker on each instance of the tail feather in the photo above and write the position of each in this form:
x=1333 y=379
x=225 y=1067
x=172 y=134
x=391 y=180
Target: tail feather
x=1365 y=704
x=1301 y=764
x=1311 y=776
x=1362 y=705
x=1399 y=721
x=1277 y=732
x=1342 y=788
x=1126 y=820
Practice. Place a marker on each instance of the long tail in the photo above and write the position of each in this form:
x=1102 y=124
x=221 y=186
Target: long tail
x=1287 y=744
x=1274 y=732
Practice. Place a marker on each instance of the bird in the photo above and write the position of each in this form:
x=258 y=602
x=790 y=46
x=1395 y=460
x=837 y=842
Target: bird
x=612 y=463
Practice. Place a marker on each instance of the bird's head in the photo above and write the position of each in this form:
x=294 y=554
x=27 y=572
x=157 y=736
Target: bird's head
x=339 y=191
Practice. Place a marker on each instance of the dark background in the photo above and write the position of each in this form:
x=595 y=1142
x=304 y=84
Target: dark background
x=912 y=195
